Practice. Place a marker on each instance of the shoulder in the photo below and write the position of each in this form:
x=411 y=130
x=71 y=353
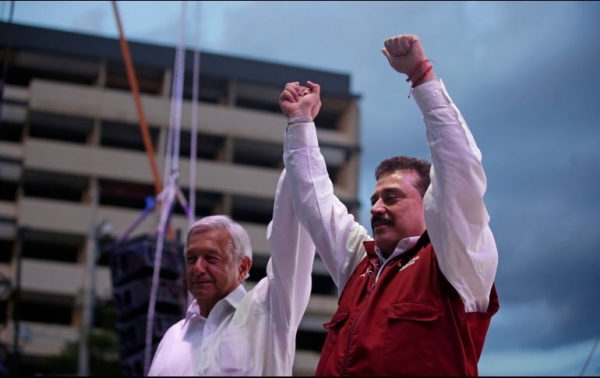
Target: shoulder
x=258 y=292
x=174 y=330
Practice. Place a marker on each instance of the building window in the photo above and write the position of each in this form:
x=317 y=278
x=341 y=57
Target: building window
x=211 y=90
x=6 y=250
x=310 y=340
x=205 y=203
x=26 y=65
x=323 y=284
x=258 y=270
x=149 y=80
x=124 y=194
x=251 y=209
x=263 y=106
x=256 y=153
x=11 y=132
x=53 y=185
x=8 y=189
x=207 y=146
x=327 y=119
x=126 y=135
x=59 y=127
x=39 y=311
x=50 y=251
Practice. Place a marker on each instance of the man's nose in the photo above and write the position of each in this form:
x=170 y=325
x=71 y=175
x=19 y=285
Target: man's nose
x=377 y=208
x=199 y=266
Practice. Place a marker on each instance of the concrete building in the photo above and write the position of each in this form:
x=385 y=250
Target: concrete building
x=72 y=155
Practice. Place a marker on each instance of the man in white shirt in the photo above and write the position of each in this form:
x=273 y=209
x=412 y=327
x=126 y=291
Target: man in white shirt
x=418 y=299
x=228 y=330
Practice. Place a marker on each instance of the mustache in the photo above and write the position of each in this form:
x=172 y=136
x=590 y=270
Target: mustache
x=379 y=219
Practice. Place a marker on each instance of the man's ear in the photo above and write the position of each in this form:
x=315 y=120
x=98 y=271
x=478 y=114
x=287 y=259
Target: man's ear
x=244 y=267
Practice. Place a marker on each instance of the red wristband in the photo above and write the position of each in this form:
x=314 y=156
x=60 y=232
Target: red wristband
x=419 y=79
x=416 y=70
x=416 y=82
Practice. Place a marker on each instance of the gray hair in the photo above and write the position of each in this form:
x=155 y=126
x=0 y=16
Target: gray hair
x=240 y=241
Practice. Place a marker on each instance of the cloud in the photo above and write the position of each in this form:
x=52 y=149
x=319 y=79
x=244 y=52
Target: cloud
x=562 y=361
x=539 y=136
x=511 y=69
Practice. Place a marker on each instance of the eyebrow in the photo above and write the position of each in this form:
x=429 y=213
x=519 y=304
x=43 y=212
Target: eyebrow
x=385 y=191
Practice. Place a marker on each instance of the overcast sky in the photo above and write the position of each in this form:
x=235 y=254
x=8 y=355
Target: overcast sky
x=526 y=78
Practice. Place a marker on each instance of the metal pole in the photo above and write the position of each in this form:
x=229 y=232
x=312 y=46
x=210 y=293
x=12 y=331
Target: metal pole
x=89 y=285
x=17 y=299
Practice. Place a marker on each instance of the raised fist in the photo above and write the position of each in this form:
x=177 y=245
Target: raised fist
x=404 y=52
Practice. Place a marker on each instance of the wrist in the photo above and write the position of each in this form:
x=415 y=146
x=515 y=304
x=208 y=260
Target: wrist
x=425 y=75
x=421 y=73
x=299 y=119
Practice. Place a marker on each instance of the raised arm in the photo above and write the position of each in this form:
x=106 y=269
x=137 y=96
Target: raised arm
x=455 y=214
x=292 y=255
x=337 y=236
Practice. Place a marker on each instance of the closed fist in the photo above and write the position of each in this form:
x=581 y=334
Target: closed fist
x=404 y=52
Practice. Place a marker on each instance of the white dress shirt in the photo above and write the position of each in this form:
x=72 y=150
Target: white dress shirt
x=455 y=214
x=254 y=332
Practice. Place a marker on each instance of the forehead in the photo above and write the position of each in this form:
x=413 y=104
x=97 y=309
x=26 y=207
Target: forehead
x=404 y=180
x=214 y=239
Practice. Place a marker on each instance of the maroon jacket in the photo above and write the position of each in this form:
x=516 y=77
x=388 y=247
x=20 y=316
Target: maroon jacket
x=411 y=322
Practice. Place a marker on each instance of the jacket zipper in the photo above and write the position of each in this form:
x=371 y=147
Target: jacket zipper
x=349 y=341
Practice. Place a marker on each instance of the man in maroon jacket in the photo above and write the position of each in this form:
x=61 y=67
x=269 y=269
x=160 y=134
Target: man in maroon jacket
x=418 y=299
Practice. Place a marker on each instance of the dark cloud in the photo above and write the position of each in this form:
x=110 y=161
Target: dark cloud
x=523 y=74
x=539 y=137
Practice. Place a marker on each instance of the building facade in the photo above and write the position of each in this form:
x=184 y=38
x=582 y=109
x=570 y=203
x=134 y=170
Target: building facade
x=72 y=158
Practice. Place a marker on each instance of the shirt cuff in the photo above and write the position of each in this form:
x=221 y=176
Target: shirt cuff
x=431 y=95
x=301 y=135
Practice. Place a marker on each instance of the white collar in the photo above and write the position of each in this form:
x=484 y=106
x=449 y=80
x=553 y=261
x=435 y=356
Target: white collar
x=403 y=246
x=234 y=298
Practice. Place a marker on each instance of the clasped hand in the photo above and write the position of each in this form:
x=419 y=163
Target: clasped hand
x=298 y=101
